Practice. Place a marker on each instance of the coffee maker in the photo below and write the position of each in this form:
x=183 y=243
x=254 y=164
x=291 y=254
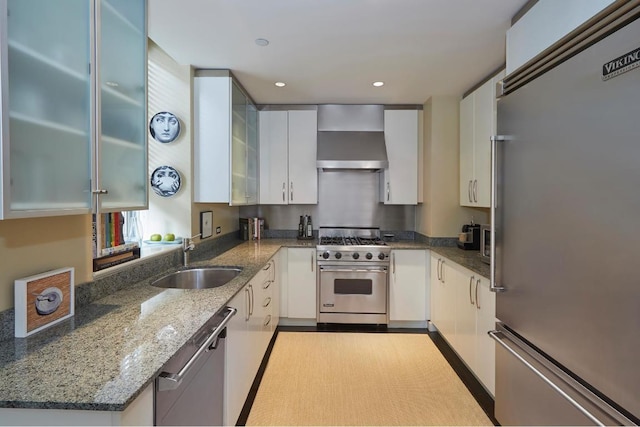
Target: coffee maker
x=469 y=239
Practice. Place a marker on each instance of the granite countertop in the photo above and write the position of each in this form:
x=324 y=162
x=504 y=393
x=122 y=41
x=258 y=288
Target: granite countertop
x=104 y=356
x=468 y=259
x=113 y=348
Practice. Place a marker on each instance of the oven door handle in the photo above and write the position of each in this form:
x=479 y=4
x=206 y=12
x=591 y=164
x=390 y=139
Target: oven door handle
x=358 y=270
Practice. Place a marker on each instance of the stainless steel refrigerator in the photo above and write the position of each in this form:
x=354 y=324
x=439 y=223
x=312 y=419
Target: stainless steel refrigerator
x=566 y=230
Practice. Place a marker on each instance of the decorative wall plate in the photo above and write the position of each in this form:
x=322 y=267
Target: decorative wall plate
x=165 y=181
x=164 y=127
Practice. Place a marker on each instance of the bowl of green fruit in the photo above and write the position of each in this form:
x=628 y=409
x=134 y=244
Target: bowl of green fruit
x=166 y=239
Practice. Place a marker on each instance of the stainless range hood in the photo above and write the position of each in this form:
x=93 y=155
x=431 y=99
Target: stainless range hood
x=351 y=137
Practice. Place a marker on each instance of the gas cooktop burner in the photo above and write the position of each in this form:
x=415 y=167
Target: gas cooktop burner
x=351 y=241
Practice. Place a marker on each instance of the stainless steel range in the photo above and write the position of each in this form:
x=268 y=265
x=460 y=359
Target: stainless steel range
x=353 y=282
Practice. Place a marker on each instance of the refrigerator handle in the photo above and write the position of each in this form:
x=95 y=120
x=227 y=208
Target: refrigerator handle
x=493 y=287
x=496 y=335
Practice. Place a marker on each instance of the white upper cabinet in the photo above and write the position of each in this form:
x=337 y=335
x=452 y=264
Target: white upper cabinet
x=477 y=125
x=288 y=146
x=544 y=24
x=61 y=139
x=399 y=182
x=225 y=141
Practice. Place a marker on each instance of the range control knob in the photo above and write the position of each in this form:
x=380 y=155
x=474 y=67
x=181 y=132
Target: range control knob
x=325 y=255
x=381 y=255
x=338 y=255
x=355 y=255
x=369 y=255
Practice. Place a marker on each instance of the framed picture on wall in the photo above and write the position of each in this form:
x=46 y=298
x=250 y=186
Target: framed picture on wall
x=164 y=127
x=43 y=300
x=206 y=224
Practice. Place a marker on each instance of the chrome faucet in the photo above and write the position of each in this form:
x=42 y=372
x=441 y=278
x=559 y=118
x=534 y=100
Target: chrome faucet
x=187 y=246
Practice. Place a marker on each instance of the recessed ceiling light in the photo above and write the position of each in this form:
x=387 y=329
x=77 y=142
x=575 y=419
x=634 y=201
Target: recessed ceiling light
x=378 y=84
x=262 y=42
x=280 y=84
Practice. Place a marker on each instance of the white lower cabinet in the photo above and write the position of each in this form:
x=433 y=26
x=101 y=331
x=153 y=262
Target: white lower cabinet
x=248 y=335
x=237 y=381
x=463 y=311
x=301 y=286
x=408 y=285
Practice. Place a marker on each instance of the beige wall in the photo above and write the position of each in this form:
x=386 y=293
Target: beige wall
x=441 y=214
x=171 y=89
x=35 y=245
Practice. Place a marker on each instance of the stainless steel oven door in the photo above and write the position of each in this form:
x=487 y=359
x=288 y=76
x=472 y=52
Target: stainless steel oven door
x=353 y=289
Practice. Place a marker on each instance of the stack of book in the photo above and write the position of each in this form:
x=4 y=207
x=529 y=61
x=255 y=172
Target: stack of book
x=109 y=246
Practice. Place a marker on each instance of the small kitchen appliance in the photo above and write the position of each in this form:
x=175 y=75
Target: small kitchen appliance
x=469 y=239
x=485 y=243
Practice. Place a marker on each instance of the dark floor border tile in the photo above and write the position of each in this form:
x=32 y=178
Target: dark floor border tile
x=476 y=389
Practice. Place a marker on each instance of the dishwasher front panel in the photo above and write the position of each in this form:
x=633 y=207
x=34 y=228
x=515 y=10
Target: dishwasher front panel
x=198 y=400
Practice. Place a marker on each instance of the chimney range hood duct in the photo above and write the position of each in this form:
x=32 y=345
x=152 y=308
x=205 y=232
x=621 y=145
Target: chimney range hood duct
x=351 y=137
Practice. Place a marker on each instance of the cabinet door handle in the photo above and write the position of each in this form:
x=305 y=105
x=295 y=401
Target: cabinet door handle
x=266 y=302
x=266 y=284
x=477 y=301
x=470 y=284
x=442 y=271
x=393 y=258
x=475 y=190
x=312 y=261
x=248 y=305
x=388 y=191
x=469 y=191
x=291 y=190
x=267 y=320
x=251 y=301
x=438 y=269
x=284 y=191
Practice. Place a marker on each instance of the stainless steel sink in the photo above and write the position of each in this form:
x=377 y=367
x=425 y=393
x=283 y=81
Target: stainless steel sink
x=198 y=278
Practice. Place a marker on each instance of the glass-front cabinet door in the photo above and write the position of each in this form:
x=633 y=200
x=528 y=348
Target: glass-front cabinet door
x=121 y=154
x=244 y=148
x=46 y=107
x=238 y=146
x=73 y=106
x=252 y=154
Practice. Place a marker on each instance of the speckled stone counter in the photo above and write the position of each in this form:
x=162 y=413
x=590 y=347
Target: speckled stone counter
x=104 y=356
x=114 y=347
x=468 y=259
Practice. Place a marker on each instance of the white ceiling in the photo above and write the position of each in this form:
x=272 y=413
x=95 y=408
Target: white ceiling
x=331 y=51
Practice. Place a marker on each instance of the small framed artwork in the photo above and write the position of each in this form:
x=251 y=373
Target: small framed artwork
x=206 y=224
x=164 y=127
x=43 y=300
